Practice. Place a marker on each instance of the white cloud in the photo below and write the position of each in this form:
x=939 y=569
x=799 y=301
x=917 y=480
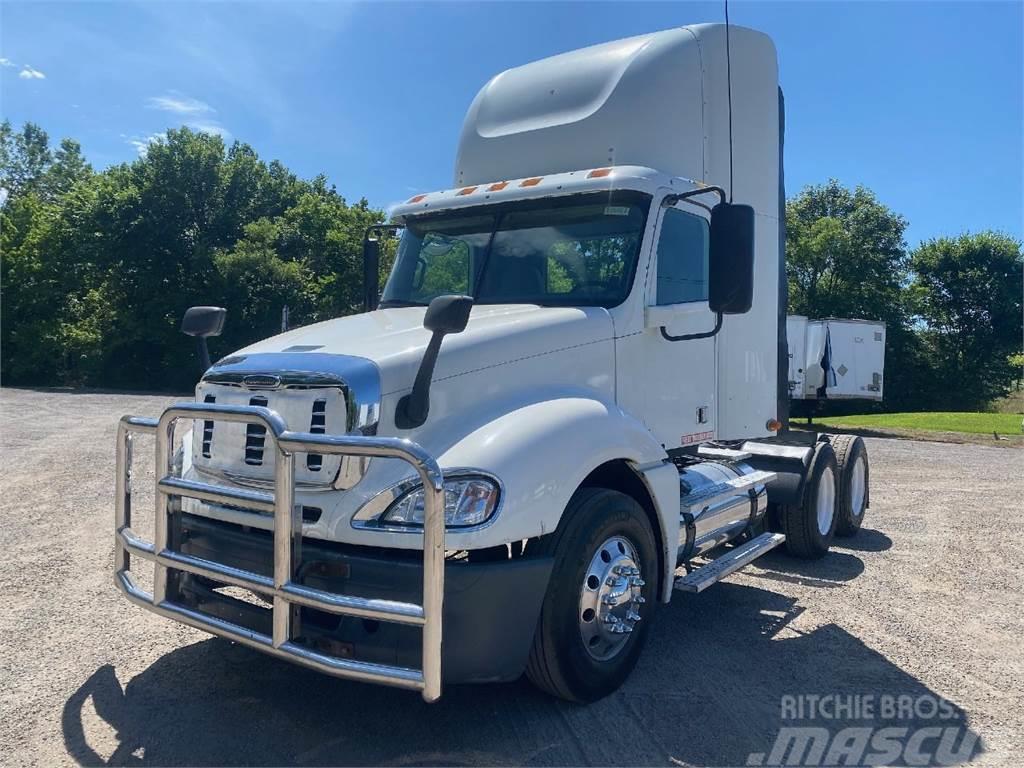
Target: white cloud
x=142 y=145
x=5 y=62
x=211 y=127
x=179 y=104
x=28 y=73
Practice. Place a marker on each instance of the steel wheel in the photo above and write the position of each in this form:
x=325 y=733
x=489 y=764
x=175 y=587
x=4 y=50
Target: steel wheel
x=610 y=598
x=826 y=501
x=858 y=487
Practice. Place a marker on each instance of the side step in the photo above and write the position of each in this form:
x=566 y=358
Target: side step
x=719 y=491
x=701 y=578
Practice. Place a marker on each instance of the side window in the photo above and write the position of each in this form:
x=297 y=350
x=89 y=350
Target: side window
x=682 y=258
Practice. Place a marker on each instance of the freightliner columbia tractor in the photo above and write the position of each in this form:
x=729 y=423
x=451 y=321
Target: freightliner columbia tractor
x=566 y=406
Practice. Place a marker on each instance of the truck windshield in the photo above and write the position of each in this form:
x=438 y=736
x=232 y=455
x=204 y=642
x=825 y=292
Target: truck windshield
x=578 y=251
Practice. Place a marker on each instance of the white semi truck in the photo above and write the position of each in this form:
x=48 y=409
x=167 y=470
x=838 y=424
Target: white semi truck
x=567 y=406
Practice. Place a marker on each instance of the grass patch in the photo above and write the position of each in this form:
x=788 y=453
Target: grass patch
x=972 y=423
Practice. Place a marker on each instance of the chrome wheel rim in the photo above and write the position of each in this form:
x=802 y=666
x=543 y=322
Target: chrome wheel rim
x=858 y=487
x=826 y=502
x=610 y=598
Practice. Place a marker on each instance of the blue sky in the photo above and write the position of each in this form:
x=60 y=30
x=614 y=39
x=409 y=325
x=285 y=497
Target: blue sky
x=921 y=102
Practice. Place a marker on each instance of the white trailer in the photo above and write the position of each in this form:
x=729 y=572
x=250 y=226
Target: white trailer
x=835 y=358
x=567 y=406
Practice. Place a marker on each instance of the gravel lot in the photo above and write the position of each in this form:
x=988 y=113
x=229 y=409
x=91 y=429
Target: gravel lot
x=927 y=600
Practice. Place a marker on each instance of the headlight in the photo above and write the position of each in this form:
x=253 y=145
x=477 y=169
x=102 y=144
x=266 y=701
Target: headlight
x=467 y=501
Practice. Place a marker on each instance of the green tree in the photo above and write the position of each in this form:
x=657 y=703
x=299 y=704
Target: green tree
x=967 y=291
x=845 y=257
x=24 y=157
x=98 y=268
x=69 y=168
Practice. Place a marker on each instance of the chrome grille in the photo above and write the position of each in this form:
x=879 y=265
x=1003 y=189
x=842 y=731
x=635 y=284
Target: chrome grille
x=240 y=453
x=328 y=394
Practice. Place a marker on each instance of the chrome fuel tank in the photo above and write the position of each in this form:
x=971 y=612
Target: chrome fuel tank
x=705 y=527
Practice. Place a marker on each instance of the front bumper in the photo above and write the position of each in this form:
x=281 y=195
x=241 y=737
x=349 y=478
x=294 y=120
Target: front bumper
x=490 y=607
x=357 y=613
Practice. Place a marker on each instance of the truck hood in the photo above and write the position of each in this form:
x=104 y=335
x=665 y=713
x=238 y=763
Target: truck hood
x=394 y=339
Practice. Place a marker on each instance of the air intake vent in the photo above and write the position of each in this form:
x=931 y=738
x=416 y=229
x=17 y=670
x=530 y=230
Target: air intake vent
x=208 y=429
x=317 y=426
x=255 y=436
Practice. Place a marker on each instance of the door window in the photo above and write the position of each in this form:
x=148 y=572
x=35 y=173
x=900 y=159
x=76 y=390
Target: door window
x=682 y=258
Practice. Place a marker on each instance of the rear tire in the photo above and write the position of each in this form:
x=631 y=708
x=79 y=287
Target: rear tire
x=603 y=537
x=854 y=475
x=810 y=525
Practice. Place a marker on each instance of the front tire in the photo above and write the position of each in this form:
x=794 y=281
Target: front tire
x=600 y=599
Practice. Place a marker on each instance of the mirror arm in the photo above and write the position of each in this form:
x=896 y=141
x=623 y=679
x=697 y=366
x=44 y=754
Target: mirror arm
x=414 y=407
x=204 y=354
x=669 y=200
x=690 y=336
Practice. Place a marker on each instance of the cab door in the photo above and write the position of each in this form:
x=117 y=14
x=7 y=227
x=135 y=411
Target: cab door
x=669 y=369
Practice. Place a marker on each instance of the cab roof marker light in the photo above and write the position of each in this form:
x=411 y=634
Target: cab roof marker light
x=416 y=198
x=497 y=186
x=466 y=191
x=598 y=173
x=531 y=182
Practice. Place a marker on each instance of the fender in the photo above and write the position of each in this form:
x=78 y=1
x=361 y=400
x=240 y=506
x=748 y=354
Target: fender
x=543 y=451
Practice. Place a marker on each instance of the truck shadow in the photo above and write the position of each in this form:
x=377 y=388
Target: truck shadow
x=840 y=566
x=710 y=689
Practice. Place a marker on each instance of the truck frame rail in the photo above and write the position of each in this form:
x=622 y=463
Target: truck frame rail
x=286 y=594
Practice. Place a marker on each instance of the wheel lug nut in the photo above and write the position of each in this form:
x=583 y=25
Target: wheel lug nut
x=639 y=600
x=636 y=582
x=632 y=616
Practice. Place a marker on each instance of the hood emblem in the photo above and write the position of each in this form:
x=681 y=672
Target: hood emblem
x=261 y=381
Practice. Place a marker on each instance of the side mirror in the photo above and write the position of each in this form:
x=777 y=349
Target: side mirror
x=446 y=314
x=371 y=270
x=731 y=267
x=202 y=322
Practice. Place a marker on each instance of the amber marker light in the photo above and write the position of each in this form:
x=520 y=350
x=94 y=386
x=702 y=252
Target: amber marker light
x=531 y=182
x=599 y=173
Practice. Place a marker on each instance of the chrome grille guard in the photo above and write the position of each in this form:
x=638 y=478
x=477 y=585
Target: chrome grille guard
x=287 y=595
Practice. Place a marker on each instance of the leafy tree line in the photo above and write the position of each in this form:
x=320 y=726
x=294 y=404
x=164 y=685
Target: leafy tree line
x=98 y=267
x=952 y=306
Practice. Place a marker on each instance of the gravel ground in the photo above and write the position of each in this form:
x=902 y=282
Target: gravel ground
x=925 y=602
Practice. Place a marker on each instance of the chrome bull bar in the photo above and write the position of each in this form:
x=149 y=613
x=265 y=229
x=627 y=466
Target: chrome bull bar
x=288 y=596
